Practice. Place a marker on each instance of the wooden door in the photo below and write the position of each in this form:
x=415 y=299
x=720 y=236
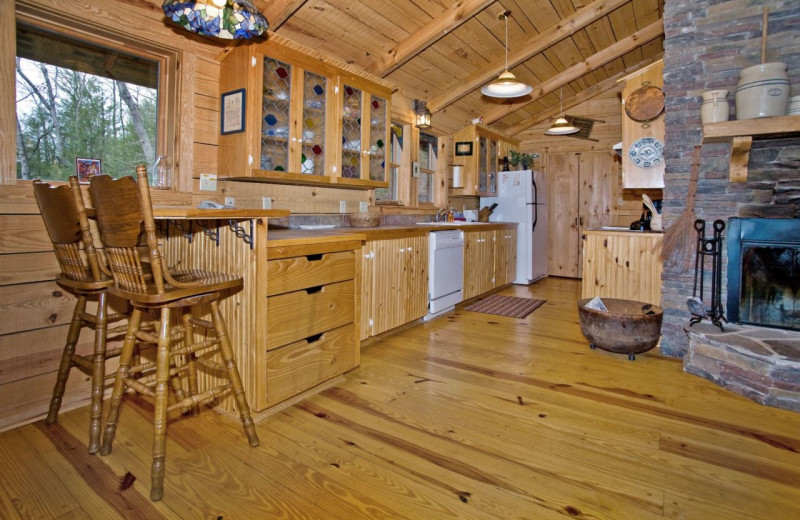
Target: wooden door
x=416 y=254
x=505 y=256
x=478 y=263
x=563 y=233
x=367 y=279
x=595 y=172
x=387 y=286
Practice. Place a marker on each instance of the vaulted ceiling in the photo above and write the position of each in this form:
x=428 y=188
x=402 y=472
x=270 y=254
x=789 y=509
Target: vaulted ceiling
x=443 y=51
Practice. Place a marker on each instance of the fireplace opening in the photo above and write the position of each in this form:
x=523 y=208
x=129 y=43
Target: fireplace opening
x=764 y=272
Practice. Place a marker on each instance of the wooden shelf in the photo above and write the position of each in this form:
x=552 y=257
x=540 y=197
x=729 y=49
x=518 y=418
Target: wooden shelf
x=276 y=177
x=741 y=134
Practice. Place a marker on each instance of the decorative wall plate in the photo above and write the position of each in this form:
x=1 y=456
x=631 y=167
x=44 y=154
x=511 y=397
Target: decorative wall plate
x=646 y=152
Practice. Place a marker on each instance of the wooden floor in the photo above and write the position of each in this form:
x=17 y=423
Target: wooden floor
x=468 y=416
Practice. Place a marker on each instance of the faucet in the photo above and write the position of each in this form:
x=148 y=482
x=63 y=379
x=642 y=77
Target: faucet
x=441 y=214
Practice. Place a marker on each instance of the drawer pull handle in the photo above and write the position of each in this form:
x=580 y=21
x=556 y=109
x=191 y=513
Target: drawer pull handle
x=314 y=338
x=312 y=290
x=314 y=258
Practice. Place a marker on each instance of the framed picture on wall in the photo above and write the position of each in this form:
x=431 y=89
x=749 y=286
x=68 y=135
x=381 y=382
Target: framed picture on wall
x=464 y=148
x=85 y=168
x=232 y=116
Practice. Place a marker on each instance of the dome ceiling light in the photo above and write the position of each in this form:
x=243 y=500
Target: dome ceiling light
x=506 y=84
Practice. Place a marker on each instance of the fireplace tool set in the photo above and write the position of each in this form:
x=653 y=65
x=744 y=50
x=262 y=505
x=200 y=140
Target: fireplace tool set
x=707 y=249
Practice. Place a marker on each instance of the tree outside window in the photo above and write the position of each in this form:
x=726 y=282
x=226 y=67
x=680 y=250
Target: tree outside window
x=428 y=157
x=78 y=99
x=395 y=159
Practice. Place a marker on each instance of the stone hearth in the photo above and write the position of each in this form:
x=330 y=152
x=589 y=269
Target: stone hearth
x=756 y=362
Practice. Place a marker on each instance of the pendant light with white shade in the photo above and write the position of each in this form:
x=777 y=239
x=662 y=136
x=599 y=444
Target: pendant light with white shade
x=561 y=126
x=506 y=84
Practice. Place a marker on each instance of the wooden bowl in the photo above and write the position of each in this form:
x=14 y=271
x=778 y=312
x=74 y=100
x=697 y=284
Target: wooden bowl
x=629 y=327
x=364 y=219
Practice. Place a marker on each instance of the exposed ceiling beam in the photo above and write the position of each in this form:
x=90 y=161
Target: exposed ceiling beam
x=612 y=52
x=278 y=11
x=568 y=26
x=428 y=34
x=580 y=97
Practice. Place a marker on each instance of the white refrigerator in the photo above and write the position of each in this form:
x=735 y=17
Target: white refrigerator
x=522 y=198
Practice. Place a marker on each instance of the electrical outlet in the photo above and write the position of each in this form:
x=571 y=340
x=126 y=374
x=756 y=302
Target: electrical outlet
x=266 y=202
x=363 y=206
x=230 y=201
x=342 y=206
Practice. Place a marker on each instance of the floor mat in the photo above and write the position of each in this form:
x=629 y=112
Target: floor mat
x=510 y=306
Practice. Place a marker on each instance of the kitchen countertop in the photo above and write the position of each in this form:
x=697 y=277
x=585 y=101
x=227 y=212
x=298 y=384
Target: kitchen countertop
x=294 y=237
x=605 y=230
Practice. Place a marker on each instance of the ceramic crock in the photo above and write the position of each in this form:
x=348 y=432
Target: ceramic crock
x=762 y=91
x=715 y=106
x=794 y=106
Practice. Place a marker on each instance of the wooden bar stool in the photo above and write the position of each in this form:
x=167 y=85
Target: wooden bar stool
x=65 y=218
x=124 y=215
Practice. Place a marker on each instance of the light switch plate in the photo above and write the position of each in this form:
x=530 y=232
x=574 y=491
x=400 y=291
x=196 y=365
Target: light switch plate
x=415 y=169
x=266 y=202
x=208 y=182
x=363 y=206
x=342 y=206
x=230 y=201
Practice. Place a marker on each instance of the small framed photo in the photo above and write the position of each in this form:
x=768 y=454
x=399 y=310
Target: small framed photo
x=85 y=168
x=464 y=148
x=232 y=112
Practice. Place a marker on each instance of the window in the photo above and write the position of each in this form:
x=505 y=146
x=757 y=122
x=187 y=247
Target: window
x=77 y=99
x=395 y=159
x=428 y=151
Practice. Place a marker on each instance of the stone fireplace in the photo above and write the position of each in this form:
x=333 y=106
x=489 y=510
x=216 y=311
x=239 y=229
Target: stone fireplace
x=707 y=43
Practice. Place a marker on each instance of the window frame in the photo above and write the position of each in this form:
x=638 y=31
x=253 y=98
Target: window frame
x=168 y=79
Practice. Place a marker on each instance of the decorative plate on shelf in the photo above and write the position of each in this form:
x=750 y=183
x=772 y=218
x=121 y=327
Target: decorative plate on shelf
x=646 y=152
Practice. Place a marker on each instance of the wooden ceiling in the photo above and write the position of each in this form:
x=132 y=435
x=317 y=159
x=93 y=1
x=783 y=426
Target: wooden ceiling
x=443 y=51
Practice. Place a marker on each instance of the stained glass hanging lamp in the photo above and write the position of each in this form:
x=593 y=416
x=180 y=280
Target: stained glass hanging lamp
x=422 y=116
x=225 y=19
x=506 y=84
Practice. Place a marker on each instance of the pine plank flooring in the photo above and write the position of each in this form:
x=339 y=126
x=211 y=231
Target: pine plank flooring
x=468 y=416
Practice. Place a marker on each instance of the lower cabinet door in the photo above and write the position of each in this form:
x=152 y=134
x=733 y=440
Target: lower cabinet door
x=303 y=364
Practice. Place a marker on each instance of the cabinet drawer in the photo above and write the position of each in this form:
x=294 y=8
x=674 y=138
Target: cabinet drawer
x=300 y=314
x=300 y=272
x=304 y=364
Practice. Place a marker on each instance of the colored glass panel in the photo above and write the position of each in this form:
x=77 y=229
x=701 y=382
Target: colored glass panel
x=377 y=133
x=483 y=173
x=493 y=166
x=351 y=134
x=275 y=109
x=314 y=88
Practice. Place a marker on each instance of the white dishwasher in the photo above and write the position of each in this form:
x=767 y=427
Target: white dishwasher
x=445 y=271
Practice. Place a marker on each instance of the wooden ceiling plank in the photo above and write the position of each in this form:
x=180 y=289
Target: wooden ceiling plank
x=580 y=97
x=535 y=45
x=278 y=11
x=614 y=51
x=454 y=16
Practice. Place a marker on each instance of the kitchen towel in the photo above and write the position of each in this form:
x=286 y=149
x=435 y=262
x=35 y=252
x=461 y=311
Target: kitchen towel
x=511 y=306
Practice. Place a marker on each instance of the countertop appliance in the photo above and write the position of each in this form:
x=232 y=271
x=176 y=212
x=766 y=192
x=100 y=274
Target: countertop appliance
x=445 y=271
x=522 y=198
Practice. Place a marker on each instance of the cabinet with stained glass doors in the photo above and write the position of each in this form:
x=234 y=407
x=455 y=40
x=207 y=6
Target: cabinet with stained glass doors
x=480 y=151
x=364 y=123
x=305 y=120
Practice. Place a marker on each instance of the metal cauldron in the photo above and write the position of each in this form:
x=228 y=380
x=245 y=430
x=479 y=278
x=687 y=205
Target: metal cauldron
x=629 y=327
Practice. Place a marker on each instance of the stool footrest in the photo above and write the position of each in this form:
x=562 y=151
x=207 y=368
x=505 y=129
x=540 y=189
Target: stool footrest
x=201 y=398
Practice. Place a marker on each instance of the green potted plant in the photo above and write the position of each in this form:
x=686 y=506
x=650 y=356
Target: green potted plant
x=524 y=159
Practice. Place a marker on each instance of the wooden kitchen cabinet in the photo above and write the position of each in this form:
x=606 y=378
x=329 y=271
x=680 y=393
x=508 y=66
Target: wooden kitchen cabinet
x=478 y=263
x=579 y=197
x=483 y=163
x=641 y=175
x=312 y=319
x=505 y=256
x=307 y=120
x=394 y=284
x=365 y=133
x=622 y=264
